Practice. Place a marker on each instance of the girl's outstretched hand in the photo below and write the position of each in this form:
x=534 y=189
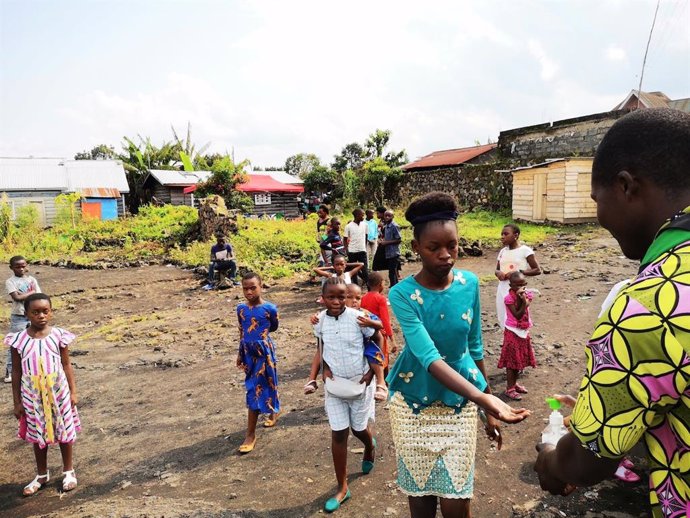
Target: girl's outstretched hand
x=314 y=319
x=501 y=410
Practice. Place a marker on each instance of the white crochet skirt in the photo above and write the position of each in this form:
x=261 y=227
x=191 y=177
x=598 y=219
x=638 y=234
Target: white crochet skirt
x=435 y=448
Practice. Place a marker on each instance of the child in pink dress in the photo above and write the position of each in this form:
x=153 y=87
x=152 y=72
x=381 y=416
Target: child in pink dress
x=44 y=390
x=517 y=352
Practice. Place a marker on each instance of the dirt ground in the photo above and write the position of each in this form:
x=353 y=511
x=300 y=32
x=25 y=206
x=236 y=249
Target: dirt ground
x=162 y=404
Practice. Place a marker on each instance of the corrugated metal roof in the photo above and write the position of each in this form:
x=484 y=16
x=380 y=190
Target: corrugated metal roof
x=448 y=157
x=680 y=104
x=280 y=176
x=546 y=162
x=175 y=178
x=96 y=174
x=32 y=174
x=102 y=192
x=59 y=174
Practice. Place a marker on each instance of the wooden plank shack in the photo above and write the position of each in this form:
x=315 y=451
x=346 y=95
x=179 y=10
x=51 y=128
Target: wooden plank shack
x=558 y=190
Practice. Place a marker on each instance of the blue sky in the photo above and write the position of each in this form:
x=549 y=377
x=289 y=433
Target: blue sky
x=273 y=78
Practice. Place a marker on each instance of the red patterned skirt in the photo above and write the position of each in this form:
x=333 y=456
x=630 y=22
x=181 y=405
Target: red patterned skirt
x=516 y=353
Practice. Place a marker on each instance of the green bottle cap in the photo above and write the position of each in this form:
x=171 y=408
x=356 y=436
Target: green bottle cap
x=554 y=404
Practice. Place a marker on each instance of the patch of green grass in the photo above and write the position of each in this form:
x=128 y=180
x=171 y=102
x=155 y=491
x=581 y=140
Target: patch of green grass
x=275 y=248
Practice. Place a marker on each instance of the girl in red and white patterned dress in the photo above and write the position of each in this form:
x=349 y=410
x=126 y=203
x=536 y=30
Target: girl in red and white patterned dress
x=44 y=390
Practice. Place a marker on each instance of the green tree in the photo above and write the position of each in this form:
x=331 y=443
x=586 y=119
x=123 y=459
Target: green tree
x=225 y=176
x=187 y=149
x=378 y=178
x=66 y=205
x=139 y=157
x=375 y=146
x=301 y=164
x=320 y=179
x=99 y=152
x=351 y=157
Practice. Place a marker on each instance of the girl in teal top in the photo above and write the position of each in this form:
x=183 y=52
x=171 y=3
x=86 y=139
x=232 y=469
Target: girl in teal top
x=439 y=380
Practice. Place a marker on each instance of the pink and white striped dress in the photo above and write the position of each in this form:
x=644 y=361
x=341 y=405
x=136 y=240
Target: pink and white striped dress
x=45 y=393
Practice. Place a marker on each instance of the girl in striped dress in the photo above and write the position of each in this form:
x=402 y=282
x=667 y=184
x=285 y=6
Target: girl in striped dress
x=43 y=389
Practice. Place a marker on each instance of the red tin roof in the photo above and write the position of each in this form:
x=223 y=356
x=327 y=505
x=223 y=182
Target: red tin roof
x=259 y=183
x=449 y=157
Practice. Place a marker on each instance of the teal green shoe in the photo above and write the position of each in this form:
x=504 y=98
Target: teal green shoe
x=368 y=465
x=333 y=504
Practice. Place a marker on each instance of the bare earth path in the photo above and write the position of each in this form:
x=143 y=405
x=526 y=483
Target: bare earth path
x=163 y=411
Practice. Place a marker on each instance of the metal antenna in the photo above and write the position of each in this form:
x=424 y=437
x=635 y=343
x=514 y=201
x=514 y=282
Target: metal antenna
x=644 y=61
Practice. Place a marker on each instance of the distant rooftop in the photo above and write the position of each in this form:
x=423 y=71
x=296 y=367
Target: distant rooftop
x=61 y=174
x=641 y=99
x=448 y=157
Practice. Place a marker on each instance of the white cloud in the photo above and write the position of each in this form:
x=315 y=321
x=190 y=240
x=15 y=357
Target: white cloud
x=614 y=53
x=549 y=67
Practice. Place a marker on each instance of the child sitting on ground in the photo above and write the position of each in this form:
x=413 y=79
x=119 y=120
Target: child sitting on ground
x=372 y=346
x=517 y=352
x=376 y=303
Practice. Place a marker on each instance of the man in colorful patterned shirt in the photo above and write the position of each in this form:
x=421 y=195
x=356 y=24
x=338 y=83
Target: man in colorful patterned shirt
x=637 y=384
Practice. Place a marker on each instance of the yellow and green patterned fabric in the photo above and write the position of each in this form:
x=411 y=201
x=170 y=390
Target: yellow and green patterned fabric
x=637 y=383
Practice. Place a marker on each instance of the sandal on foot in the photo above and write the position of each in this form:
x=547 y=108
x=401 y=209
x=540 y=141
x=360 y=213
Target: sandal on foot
x=368 y=465
x=35 y=485
x=624 y=474
x=311 y=387
x=381 y=393
x=69 y=482
x=271 y=422
x=246 y=448
x=513 y=394
x=333 y=504
x=521 y=389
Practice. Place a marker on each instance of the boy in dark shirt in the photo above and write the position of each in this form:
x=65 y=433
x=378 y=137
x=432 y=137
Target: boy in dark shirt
x=222 y=259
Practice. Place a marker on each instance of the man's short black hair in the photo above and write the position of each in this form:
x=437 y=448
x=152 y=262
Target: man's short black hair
x=15 y=259
x=252 y=275
x=381 y=209
x=653 y=143
x=325 y=209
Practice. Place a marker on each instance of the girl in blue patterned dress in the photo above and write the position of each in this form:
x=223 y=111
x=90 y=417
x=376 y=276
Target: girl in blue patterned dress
x=256 y=357
x=438 y=380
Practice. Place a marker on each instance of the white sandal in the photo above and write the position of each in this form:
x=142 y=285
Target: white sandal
x=381 y=393
x=70 y=481
x=34 y=486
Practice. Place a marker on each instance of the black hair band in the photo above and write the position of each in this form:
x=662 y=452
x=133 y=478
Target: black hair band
x=446 y=215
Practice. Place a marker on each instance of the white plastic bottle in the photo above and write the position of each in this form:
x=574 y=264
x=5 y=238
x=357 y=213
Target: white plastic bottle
x=555 y=429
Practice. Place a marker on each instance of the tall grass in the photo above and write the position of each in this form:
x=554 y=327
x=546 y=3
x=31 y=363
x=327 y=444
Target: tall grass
x=276 y=248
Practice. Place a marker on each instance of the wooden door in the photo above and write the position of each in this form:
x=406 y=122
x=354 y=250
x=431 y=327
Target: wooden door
x=539 y=199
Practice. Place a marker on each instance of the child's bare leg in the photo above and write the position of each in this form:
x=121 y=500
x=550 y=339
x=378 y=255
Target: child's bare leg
x=41 y=455
x=339 y=450
x=455 y=508
x=381 y=391
x=66 y=451
x=367 y=439
x=252 y=418
x=511 y=377
x=423 y=506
